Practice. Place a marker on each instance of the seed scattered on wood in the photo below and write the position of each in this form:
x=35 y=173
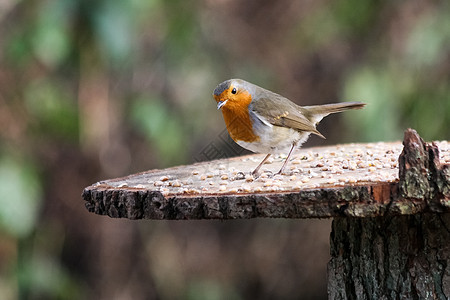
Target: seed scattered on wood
x=336 y=169
x=268 y=183
x=277 y=183
x=278 y=177
x=312 y=173
x=352 y=179
x=246 y=188
x=164 y=178
x=343 y=165
x=352 y=165
x=305 y=179
x=176 y=183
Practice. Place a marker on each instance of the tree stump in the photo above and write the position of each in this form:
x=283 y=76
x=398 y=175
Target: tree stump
x=398 y=256
x=390 y=236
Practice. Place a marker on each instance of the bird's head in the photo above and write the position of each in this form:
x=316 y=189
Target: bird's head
x=232 y=94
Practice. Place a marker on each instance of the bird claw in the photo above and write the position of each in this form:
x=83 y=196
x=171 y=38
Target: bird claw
x=255 y=174
x=283 y=173
x=269 y=174
x=239 y=176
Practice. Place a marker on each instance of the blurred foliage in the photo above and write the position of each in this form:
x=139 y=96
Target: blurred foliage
x=21 y=190
x=51 y=110
x=211 y=290
x=154 y=119
x=90 y=90
x=409 y=88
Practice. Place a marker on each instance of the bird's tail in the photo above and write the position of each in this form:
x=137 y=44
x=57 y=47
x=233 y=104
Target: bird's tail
x=327 y=109
x=317 y=112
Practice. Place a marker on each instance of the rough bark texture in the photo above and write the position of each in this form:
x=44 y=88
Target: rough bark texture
x=422 y=176
x=393 y=257
x=360 y=201
x=398 y=257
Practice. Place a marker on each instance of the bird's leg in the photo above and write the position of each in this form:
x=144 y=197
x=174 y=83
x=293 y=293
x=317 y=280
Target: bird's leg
x=287 y=159
x=255 y=173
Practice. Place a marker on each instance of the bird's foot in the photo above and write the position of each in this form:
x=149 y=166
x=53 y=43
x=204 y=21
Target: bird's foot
x=284 y=173
x=255 y=174
x=239 y=176
x=265 y=174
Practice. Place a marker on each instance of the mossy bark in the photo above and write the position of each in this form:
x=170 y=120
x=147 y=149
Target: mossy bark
x=422 y=176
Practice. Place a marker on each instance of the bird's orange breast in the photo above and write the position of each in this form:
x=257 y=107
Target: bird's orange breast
x=237 y=120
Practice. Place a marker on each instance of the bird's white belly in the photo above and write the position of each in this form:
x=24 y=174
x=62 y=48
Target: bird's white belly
x=274 y=139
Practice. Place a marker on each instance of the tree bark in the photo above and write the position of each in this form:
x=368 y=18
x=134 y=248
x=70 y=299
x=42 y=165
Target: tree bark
x=396 y=257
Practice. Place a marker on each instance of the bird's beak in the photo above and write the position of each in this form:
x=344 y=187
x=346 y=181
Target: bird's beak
x=221 y=103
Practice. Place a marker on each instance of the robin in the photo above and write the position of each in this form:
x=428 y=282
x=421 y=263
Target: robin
x=264 y=122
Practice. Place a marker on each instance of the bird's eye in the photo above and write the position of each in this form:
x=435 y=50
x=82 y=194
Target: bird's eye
x=233 y=91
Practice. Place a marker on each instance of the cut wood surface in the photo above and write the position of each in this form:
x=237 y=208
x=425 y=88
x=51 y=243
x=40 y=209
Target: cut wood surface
x=360 y=180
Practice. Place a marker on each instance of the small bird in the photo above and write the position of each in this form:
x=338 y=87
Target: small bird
x=264 y=122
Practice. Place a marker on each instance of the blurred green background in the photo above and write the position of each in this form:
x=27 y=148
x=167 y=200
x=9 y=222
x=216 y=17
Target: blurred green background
x=91 y=90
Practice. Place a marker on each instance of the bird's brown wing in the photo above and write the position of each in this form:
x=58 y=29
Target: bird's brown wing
x=279 y=111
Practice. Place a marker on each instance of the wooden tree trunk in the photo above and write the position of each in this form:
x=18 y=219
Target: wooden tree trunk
x=396 y=257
